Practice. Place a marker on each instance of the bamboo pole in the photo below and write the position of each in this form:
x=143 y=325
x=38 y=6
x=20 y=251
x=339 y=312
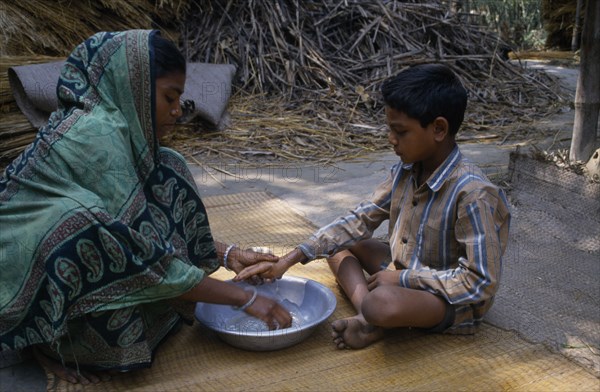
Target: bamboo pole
x=587 y=96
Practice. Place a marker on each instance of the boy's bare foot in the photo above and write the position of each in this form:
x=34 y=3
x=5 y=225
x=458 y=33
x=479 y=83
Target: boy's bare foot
x=69 y=374
x=354 y=332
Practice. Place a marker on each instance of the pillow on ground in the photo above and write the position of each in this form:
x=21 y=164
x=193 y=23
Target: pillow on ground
x=34 y=89
x=207 y=91
x=208 y=86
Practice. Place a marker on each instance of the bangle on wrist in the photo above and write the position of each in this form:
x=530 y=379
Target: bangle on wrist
x=250 y=301
x=226 y=254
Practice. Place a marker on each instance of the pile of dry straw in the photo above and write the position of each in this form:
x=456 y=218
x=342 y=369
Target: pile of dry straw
x=308 y=71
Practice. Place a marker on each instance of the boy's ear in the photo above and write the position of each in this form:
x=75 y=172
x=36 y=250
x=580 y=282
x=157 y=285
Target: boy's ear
x=440 y=126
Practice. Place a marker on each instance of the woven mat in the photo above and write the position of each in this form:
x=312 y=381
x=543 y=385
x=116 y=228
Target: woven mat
x=196 y=359
x=550 y=286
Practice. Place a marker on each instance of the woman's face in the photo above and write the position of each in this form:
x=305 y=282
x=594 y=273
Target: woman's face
x=168 y=109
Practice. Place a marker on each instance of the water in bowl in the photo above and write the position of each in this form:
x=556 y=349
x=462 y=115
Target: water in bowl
x=246 y=323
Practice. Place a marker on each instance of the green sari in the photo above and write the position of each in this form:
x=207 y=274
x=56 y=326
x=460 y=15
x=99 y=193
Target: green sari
x=100 y=228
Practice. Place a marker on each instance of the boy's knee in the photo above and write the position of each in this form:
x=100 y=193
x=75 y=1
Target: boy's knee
x=376 y=308
x=370 y=248
x=340 y=256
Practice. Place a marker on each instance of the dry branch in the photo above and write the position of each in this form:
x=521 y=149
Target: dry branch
x=320 y=64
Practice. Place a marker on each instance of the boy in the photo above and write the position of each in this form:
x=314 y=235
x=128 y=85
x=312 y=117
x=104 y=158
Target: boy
x=448 y=224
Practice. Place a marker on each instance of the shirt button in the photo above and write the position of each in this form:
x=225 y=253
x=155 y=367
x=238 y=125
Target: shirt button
x=404 y=240
x=415 y=202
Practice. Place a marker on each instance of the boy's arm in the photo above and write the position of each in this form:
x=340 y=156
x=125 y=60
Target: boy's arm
x=340 y=234
x=358 y=225
x=482 y=229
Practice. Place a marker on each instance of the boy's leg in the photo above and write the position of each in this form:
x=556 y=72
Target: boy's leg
x=386 y=306
x=348 y=267
x=395 y=306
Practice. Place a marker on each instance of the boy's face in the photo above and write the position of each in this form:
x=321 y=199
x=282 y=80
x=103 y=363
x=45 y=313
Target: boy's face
x=411 y=142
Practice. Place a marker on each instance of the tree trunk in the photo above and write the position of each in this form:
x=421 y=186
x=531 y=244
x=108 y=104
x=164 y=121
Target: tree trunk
x=576 y=26
x=587 y=96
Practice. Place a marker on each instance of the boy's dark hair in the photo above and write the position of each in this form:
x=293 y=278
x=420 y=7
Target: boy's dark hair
x=427 y=91
x=167 y=58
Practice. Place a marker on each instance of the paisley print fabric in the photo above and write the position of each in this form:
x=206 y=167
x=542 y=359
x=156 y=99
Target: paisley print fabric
x=100 y=227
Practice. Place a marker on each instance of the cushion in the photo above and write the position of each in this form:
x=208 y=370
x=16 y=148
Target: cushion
x=207 y=91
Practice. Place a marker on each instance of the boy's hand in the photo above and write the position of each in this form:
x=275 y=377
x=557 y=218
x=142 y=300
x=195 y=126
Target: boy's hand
x=383 y=278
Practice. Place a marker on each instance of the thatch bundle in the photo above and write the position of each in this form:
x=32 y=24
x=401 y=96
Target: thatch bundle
x=33 y=27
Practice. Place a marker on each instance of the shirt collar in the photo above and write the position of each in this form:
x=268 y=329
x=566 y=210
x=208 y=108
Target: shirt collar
x=441 y=174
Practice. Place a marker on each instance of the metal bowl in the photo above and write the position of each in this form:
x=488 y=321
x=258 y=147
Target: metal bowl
x=309 y=302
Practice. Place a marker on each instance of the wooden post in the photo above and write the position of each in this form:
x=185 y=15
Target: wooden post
x=587 y=96
x=576 y=26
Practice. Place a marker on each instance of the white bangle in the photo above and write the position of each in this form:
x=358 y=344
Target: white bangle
x=229 y=248
x=250 y=302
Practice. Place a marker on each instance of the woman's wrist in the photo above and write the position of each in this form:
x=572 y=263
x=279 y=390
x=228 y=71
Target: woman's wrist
x=250 y=299
x=220 y=248
x=227 y=255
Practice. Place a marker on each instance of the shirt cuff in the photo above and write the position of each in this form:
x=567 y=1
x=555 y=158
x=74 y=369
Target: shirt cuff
x=404 y=280
x=308 y=248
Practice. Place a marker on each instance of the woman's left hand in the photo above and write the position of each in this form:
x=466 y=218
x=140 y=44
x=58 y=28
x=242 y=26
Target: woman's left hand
x=271 y=312
x=238 y=259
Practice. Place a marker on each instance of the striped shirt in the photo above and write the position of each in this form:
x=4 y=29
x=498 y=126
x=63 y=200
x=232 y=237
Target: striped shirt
x=447 y=236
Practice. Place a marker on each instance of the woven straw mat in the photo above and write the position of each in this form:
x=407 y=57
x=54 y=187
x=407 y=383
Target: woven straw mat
x=196 y=359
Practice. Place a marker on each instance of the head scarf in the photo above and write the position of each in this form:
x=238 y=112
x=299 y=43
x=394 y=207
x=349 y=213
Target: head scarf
x=100 y=226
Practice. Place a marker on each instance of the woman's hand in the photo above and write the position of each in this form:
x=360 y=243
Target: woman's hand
x=381 y=278
x=215 y=291
x=271 y=271
x=271 y=312
x=264 y=270
x=238 y=259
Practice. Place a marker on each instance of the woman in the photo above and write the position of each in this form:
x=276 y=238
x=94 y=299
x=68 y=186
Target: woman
x=105 y=244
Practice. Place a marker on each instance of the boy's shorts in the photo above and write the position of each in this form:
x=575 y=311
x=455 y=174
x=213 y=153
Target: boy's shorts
x=446 y=322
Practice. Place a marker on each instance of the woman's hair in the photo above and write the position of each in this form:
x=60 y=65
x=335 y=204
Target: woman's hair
x=167 y=58
x=425 y=92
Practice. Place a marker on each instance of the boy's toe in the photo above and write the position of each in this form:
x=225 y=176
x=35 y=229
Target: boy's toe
x=339 y=326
